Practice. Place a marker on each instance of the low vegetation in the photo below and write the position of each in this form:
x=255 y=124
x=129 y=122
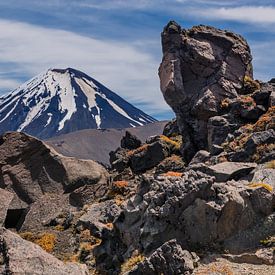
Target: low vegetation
x=130 y=263
x=261 y=185
x=44 y=240
x=172 y=174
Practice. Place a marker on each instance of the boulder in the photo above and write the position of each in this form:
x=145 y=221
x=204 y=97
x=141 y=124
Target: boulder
x=19 y=256
x=265 y=174
x=200 y=157
x=29 y=169
x=148 y=156
x=168 y=259
x=264 y=256
x=98 y=216
x=230 y=170
x=44 y=211
x=5 y=199
x=130 y=141
x=200 y=68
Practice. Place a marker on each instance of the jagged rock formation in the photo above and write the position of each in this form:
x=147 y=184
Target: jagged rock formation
x=154 y=210
x=200 y=68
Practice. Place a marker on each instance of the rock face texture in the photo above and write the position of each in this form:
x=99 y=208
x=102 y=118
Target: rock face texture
x=201 y=67
x=170 y=258
x=22 y=257
x=29 y=169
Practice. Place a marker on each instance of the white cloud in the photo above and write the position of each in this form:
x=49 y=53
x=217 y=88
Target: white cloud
x=6 y=83
x=246 y=14
x=125 y=69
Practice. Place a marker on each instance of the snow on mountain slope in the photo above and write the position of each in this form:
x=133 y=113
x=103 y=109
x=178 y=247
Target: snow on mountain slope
x=62 y=101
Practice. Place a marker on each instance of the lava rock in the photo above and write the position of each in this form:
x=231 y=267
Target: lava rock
x=130 y=141
x=230 y=170
x=150 y=156
x=168 y=259
x=200 y=67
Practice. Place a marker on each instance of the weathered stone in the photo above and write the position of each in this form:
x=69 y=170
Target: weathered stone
x=200 y=67
x=5 y=199
x=98 y=216
x=230 y=170
x=200 y=157
x=262 y=256
x=150 y=156
x=168 y=259
x=44 y=211
x=264 y=174
x=23 y=257
x=29 y=169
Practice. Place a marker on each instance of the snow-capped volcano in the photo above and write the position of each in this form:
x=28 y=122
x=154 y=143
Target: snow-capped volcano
x=62 y=101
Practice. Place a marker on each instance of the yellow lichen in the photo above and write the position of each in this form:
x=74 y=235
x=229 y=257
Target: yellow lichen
x=46 y=241
x=129 y=264
x=250 y=84
x=59 y=227
x=174 y=143
x=270 y=164
x=261 y=185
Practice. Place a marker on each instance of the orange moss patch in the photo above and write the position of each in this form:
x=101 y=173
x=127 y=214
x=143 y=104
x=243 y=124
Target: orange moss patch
x=109 y=225
x=120 y=183
x=266 y=121
x=172 y=174
x=138 y=150
x=247 y=102
x=266 y=186
x=225 y=103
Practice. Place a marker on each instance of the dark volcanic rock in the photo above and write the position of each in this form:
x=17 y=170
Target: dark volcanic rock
x=169 y=259
x=201 y=67
x=130 y=141
x=150 y=156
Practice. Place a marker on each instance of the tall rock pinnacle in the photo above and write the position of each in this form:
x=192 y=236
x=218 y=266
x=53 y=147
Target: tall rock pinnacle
x=201 y=67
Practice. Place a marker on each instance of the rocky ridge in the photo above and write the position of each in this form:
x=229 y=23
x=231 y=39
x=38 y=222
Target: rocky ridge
x=197 y=199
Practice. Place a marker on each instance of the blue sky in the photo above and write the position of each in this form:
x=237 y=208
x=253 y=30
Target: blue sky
x=118 y=42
